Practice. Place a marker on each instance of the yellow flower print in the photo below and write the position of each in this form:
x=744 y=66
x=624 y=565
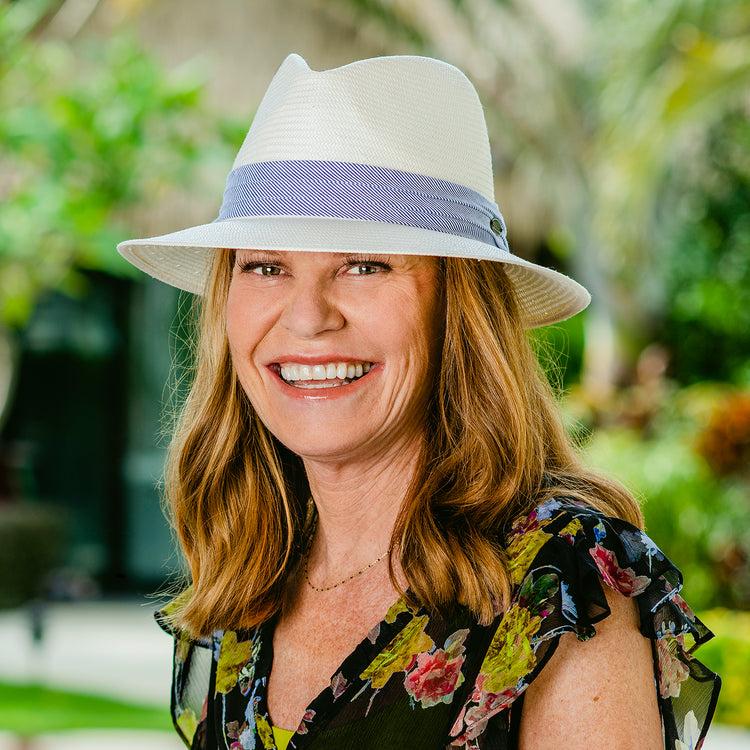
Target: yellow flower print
x=184 y=644
x=265 y=732
x=396 y=609
x=187 y=723
x=570 y=531
x=174 y=606
x=521 y=552
x=232 y=657
x=510 y=655
x=400 y=653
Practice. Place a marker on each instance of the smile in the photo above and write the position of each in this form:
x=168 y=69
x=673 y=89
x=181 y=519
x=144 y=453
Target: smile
x=330 y=375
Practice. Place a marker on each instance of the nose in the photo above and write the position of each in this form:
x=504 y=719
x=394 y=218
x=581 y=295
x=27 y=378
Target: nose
x=311 y=310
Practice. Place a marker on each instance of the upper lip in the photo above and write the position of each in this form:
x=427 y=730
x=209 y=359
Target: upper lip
x=307 y=359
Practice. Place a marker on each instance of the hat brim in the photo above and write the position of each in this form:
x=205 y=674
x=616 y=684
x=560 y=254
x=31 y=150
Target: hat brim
x=182 y=259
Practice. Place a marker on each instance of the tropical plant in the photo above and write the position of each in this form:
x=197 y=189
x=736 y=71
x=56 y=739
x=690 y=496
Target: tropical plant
x=92 y=131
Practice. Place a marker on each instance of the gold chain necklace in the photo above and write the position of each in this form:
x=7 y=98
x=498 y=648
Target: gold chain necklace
x=340 y=583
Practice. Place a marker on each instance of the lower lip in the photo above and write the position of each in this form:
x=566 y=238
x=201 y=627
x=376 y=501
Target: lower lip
x=330 y=393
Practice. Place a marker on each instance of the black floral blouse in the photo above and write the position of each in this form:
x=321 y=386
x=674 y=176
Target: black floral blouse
x=419 y=681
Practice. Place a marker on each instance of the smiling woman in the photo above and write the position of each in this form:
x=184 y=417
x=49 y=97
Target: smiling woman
x=392 y=542
x=311 y=313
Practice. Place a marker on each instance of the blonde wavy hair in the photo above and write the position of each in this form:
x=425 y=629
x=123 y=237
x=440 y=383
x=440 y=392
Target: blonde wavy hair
x=495 y=448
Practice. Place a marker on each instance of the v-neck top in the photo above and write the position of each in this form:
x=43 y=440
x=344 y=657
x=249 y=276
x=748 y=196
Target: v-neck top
x=424 y=681
x=281 y=737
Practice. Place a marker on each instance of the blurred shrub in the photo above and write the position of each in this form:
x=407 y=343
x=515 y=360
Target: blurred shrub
x=93 y=131
x=702 y=256
x=31 y=544
x=729 y=655
x=699 y=515
x=725 y=443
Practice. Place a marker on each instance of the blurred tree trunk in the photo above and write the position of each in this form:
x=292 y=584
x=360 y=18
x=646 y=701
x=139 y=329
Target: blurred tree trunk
x=8 y=371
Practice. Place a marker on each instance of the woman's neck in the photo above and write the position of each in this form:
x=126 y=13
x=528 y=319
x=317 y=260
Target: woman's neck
x=357 y=504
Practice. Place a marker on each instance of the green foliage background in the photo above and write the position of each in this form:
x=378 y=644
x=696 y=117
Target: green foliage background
x=91 y=132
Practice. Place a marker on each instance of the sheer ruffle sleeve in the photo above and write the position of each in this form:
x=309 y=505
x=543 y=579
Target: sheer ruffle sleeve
x=559 y=556
x=191 y=678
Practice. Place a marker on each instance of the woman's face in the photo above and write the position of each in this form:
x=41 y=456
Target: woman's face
x=336 y=352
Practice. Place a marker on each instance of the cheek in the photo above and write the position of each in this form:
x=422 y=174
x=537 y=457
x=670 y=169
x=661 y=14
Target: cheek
x=245 y=327
x=417 y=337
x=235 y=325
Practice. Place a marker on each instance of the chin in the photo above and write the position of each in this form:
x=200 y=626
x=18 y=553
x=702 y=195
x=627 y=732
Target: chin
x=322 y=451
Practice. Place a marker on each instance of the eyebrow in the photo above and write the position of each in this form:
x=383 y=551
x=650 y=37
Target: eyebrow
x=257 y=251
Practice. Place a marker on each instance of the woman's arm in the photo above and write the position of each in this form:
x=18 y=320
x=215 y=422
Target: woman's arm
x=597 y=693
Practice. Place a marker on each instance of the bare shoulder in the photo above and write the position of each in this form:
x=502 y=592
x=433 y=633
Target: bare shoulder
x=597 y=693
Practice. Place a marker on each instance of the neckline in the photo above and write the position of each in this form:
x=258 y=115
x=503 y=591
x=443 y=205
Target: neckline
x=322 y=706
x=286 y=734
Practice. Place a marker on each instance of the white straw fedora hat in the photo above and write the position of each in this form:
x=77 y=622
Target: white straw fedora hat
x=387 y=155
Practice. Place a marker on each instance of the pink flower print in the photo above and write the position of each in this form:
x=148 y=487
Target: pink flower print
x=476 y=694
x=457 y=726
x=339 y=684
x=233 y=732
x=672 y=670
x=524 y=525
x=623 y=580
x=309 y=715
x=475 y=718
x=684 y=607
x=434 y=678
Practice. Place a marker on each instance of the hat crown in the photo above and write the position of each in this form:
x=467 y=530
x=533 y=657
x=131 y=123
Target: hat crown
x=388 y=155
x=413 y=114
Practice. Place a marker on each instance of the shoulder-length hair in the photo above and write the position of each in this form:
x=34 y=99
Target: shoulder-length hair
x=495 y=447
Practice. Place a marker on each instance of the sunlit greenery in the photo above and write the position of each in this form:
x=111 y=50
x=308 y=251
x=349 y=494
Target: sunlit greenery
x=96 y=138
x=729 y=655
x=705 y=261
x=32 y=709
x=89 y=131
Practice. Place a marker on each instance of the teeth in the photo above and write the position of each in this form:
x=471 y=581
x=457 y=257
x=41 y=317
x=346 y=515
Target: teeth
x=343 y=371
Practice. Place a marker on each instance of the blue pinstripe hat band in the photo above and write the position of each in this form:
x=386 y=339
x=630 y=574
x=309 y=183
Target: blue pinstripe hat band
x=358 y=191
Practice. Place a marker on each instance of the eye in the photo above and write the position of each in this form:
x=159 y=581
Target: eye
x=259 y=267
x=264 y=269
x=367 y=267
x=363 y=270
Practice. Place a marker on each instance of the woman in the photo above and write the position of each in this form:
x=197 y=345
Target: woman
x=391 y=540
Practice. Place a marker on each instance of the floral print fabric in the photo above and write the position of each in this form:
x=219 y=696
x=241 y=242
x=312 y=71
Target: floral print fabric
x=421 y=681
